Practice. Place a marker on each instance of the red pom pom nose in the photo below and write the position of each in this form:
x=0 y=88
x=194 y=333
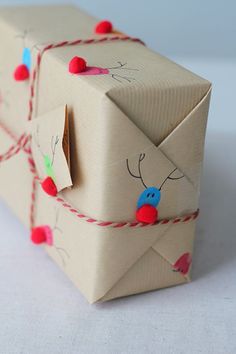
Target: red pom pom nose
x=104 y=27
x=49 y=187
x=38 y=235
x=21 y=73
x=147 y=214
x=77 y=65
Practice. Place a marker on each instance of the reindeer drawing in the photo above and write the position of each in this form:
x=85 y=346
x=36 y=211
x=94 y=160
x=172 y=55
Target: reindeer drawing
x=22 y=71
x=150 y=198
x=114 y=72
x=48 y=184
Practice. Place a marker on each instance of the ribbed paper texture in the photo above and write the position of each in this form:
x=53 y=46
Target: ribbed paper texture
x=150 y=105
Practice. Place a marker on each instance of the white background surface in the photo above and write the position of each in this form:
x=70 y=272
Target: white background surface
x=42 y=312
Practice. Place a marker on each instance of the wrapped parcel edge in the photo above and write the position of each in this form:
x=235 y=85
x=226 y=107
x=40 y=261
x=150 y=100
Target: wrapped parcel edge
x=161 y=112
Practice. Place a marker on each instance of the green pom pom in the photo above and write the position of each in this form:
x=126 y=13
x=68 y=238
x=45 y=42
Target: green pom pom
x=48 y=167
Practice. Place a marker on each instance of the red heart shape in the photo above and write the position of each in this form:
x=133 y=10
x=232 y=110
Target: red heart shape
x=21 y=73
x=49 y=187
x=183 y=263
x=147 y=214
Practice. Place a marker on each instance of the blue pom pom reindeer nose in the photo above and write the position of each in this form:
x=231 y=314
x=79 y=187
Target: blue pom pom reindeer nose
x=150 y=196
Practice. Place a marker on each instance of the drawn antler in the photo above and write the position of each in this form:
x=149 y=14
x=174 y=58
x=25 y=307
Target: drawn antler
x=54 y=142
x=119 y=78
x=171 y=178
x=122 y=66
x=36 y=139
x=53 y=146
x=139 y=176
x=60 y=250
x=141 y=157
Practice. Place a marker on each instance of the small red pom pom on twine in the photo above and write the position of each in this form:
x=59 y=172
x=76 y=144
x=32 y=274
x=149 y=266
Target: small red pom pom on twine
x=38 y=235
x=77 y=65
x=49 y=187
x=21 y=73
x=42 y=234
x=147 y=214
x=103 y=27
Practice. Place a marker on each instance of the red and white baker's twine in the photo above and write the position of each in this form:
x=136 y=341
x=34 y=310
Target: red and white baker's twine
x=23 y=144
x=183 y=219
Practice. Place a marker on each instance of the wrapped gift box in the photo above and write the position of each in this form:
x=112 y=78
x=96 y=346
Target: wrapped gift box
x=118 y=146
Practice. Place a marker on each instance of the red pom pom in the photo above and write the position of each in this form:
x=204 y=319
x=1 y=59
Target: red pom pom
x=77 y=65
x=104 y=27
x=21 y=73
x=147 y=214
x=38 y=235
x=49 y=186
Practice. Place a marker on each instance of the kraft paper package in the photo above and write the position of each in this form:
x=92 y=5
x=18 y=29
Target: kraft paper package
x=104 y=164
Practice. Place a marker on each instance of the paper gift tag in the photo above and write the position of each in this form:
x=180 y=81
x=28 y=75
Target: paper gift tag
x=51 y=146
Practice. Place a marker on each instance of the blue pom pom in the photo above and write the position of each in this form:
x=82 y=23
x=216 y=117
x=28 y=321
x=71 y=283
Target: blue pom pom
x=26 y=58
x=150 y=196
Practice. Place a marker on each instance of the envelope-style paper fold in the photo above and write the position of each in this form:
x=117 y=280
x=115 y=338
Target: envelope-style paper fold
x=167 y=93
x=177 y=242
x=185 y=145
x=150 y=272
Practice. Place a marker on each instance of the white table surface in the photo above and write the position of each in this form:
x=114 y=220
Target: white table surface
x=42 y=312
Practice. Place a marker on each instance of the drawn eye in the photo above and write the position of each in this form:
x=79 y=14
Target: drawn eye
x=148 y=195
x=153 y=195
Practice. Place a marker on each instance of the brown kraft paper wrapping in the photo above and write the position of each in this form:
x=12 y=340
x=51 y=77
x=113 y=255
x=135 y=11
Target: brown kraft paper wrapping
x=140 y=104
